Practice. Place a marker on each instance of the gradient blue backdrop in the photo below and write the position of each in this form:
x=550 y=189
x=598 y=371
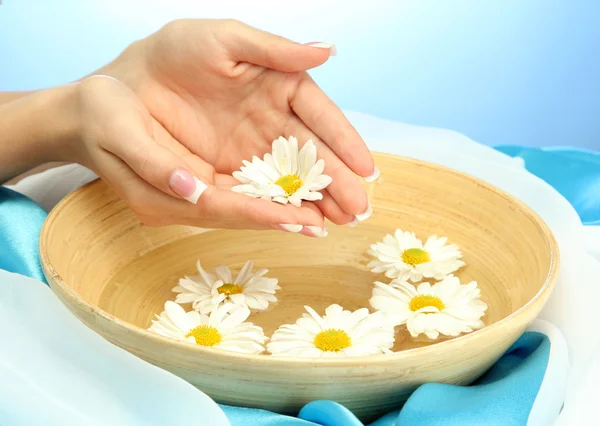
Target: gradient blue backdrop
x=501 y=72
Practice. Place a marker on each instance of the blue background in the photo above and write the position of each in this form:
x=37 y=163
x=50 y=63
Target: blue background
x=502 y=72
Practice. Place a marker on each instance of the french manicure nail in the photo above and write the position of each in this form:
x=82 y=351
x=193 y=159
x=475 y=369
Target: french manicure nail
x=323 y=45
x=374 y=176
x=353 y=223
x=184 y=184
x=365 y=215
x=288 y=227
x=317 y=231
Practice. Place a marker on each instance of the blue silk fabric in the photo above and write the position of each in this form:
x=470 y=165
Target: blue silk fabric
x=503 y=396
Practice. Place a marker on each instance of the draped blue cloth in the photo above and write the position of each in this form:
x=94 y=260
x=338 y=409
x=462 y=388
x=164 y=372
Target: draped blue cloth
x=20 y=224
x=503 y=396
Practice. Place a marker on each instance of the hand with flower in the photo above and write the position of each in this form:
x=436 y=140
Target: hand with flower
x=223 y=91
x=169 y=121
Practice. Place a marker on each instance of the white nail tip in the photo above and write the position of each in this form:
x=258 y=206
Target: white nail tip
x=200 y=188
x=291 y=227
x=365 y=215
x=317 y=231
x=353 y=223
x=321 y=45
x=373 y=177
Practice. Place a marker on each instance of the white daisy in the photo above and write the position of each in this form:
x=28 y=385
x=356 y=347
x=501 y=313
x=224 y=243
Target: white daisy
x=207 y=290
x=223 y=329
x=447 y=307
x=404 y=257
x=339 y=333
x=285 y=175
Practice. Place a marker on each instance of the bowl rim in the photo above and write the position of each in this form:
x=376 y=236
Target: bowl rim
x=202 y=352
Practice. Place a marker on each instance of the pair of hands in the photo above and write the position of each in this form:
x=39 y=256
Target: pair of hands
x=194 y=100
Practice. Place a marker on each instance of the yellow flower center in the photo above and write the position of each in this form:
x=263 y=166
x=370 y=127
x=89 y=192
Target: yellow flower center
x=415 y=256
x=420 y=301
x=228 y=289
x=289 y=183
x=205 y=335
x=332 y=340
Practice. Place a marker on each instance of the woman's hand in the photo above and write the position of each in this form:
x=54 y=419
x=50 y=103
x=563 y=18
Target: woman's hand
x=119 y=139
x=215 y=93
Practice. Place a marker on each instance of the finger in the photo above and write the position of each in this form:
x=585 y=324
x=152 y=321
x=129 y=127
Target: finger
x=251 y=45
x=217 y=208
x=224 y=204
x=331 y=210
x=326 y=120
x=158 y=165
x=345 y=188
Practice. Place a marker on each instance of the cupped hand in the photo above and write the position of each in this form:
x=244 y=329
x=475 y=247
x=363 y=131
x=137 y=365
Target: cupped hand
x=220 y=92
x=120 y=140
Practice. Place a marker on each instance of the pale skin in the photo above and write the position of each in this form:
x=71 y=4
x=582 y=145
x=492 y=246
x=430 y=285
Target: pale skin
x=193 y=100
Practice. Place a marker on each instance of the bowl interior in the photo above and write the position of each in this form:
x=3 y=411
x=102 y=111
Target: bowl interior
x=115 y=264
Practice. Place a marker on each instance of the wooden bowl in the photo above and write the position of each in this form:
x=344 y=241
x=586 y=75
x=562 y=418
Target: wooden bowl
x=114 y=274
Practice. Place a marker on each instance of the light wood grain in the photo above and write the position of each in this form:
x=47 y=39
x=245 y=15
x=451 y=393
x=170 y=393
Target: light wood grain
x=114 y=274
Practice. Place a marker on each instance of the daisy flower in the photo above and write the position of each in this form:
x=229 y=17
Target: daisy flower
x=207 y=290
x=223 y=329
x=339 y=333
x=403 y=256
x=285 y=175
x=447 y=307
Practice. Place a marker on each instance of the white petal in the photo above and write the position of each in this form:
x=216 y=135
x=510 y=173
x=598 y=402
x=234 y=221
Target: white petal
x=319 y=320
x=207 y=277
x=281 y=156
x=293 y=155
x=266 y=168
x=319 y=183
x=245 y=273
x=183 y=298
x=245 y=189
x=224 y=274
x=236 y=317
x=177 y=314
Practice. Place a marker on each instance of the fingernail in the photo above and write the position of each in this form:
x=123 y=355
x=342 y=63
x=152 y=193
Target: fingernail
x=353 y=223
x=288 y=227
x=365 y=215
x=323 y=45
x=184 y=184
x=317 y=231
x=374 y=176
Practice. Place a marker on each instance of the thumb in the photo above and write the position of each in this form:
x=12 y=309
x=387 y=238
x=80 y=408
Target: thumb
x=162 y=168
x=248 y=44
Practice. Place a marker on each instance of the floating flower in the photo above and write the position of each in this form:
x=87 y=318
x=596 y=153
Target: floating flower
x=206 y=291
x=404 y=257
x=447 y=307
x=339 y=333
x=286 y=175
x=223 y=329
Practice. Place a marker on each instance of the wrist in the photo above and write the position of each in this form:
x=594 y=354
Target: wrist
x=36 y=129
x=60 y=132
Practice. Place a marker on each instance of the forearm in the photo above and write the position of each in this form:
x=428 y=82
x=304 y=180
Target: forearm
x=6 y=97
x=36 y=129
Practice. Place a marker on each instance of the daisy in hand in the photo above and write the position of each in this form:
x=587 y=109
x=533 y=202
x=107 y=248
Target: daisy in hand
x=447 y=307
x=286 y=175
x=207 y=291
x=223 y=329
x=403 y=256
x=339 y=333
